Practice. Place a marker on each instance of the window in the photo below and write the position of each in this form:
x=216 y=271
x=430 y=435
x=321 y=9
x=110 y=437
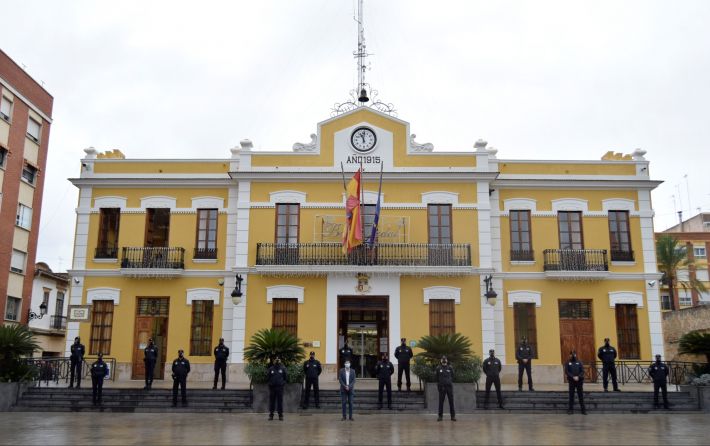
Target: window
x=570 y=229
x=33 y=129
x=441 y=317
x=45 y=297
x=619 y=236
x=699 y=252
x=17 y=262
x=3 y=156
x=287 y=222
x=5 y=108
x=24 y=216
x=157 y=227
x=285 y=315
x=29 y=173
x=520 y=240
x=627 y=332
x=665 y=302
x=12 y=308
x=101 y=327
x=575 y=309
x=702 y=275
x=201 y=331
x=368 y=220
x=439 y=223
x=685 y=299
x=59 y=305
x=206 y=247
x=525 y=324
x=107 y=245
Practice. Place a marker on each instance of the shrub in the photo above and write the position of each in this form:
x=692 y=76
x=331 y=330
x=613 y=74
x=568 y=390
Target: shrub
x=257 y=372
x=16 y=342
x=456 y=348
x=703 y=380
x=265 y=345
x=695 y=343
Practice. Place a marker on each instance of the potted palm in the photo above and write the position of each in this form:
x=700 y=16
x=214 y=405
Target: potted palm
x=698 y=343
x=16 y=343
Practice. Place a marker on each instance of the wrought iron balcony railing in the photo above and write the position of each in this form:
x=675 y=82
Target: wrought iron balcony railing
x=106 y=252
x=205 y=253
x=153 y=258
x=517 y=255
x=576 y=260
x=58 y=322
x=622 y=256
x=382 y=254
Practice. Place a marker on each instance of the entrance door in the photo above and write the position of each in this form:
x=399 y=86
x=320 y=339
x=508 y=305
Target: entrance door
x=364 y=342
x=577 y=333
x=151 y=322
x=627 y=332
x=363 y=323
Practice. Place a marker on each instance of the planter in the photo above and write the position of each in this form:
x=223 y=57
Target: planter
x=464 y=398
x=9 y=394
x=260 y=397
x=700 y=392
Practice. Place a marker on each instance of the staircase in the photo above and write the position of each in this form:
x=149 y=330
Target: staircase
x=595 y=402
x=365 y=401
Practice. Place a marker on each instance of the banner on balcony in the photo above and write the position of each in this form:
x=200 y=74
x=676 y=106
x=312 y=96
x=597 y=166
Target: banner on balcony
x=353 y=226
x=331 y=229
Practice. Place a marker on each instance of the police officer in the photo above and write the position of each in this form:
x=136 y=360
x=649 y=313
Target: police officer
x=346 y=353
x=221 y=353
x=312 y=370
x=276 y=375
x=492 y=368
x=524 y=356
x=75 y=359
x=181 y=367
x=99 y=370
x=384 y=371
x=575 y=377
x=150 y=357
x=607 y=355
x=445 y=385
x=403 y=354
x=659 y=372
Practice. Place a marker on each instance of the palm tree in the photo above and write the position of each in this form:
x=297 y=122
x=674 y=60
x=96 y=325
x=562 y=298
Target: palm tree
x=695 y=343
x=455 y=347
x=268 y=343
x=671 y=257
x=16 y=342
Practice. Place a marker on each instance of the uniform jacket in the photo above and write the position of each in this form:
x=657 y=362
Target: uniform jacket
x=221 y=353
x=574 y=368
x=346 y=353
x=492 y=367
x=77 y=352
x=383 y=370
x=524 y=351
x=276 y=375
x=659 y=372
x=444 y=375
x=181 y=367
x=312 y=369
x=150 y=354
x=341 y=379
x=403 y=354
x=99 y=369
x=607 y=354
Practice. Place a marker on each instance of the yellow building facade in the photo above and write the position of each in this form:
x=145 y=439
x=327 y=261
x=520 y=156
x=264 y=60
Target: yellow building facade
x=568 y=246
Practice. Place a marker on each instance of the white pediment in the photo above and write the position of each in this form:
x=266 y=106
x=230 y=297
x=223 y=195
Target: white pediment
x=442 y=292
x=287 y=196
x=284 y=292
x=158 y=201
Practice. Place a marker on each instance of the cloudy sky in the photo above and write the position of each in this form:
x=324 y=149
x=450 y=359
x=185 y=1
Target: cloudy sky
x=542 y=80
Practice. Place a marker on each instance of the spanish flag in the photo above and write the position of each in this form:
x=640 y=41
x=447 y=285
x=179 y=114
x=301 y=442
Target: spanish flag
x=353 y=225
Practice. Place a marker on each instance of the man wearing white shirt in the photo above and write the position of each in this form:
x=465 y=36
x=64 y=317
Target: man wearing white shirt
x=346 y=378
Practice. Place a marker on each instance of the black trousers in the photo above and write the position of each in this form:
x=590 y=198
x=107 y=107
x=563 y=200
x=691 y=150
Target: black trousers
x=493 y=381
x=149 y=371
x=97 y=385
x=312 y=382
x=276 y=400
x=446 y=391
x=75 y=368
x=180 y=381
x=664 y=390
x=220 y=366
x=527 y=367
x=403 y=368
x=385 y=383
x=608 y=368
x=577 y=386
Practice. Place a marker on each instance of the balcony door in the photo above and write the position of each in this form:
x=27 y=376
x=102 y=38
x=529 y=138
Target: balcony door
x=286 y=237
x=151 y=322
x=439 y=222
x=157 y=227
x=571 y=241
x=577 y=333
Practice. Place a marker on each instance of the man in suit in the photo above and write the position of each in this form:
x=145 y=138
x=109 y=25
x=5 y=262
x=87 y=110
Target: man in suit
x=346 y=378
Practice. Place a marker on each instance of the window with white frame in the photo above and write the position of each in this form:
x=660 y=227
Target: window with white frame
x=12 y=308
x=24 y=216
x=17 y=262
x=5 y=108
x=685 y=299
x=702 y=275
x=33 y=129
x=29 y=173
x=699 y=252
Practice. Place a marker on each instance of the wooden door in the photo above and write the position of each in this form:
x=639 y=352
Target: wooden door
x=627 y=332
x=143 y=332
x=577 y=333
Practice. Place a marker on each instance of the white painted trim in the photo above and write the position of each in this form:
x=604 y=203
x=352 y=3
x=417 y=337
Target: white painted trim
x=525 y=296
x=23 y=98
x=442 y=292
x=440 y=197
x=618 y=204
x=207 y=203
x=284 y=292
x=212 y=294
x=287 y=196
x=368 y=197
x=110 y=202
x=104 y=293
x=625 y=297
x=158 y=201
x=570 y=204
x=516 y=204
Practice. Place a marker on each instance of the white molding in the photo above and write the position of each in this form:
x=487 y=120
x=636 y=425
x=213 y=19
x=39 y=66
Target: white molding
x=207 y=203
x=284 y=292
x=110 y=202
x=212 y=294
x=158 y=201
x=618 y=204
x=525 y=296
x=625 y=297
x=516 y=204
x=440 y=197
x=104 y=293
x=570 y=204
x=287 y=196
x=442 y=292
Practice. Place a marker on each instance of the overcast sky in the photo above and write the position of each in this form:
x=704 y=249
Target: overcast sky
x=537 y=80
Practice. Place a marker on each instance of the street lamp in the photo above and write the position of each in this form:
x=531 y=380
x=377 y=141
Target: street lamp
x=42 y=311
x=237 y=291
x=491 y=295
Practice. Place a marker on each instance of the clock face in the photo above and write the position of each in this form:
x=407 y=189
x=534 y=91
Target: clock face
x=363 y=139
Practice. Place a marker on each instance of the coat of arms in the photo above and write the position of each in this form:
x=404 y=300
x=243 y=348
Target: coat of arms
x=363 y=283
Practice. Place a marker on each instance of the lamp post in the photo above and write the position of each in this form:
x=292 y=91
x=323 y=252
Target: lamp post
x=237 y=291
x=491 y=296
x=42 y=311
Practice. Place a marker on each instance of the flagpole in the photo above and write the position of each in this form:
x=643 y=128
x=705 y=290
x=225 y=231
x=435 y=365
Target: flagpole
x=362 y=200
x=342 y=170
x=379 y=194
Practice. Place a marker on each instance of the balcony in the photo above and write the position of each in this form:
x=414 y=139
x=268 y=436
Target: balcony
x=576 y=264
x=58 y=322
x=517 y=255
x=152 y=262
x=403 y=258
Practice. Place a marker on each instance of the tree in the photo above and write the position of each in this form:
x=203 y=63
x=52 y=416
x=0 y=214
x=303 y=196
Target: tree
x=671 y=257
x=695 y=343
x=268 y=343
x=456 y=348
x=16 y=342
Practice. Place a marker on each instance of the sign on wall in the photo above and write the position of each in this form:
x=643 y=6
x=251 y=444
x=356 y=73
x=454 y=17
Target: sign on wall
x=79 y=313
x=330 y=228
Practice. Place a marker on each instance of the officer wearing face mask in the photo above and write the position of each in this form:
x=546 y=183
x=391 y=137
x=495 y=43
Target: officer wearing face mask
x=150 y=357
x=524 y=356
x=492 y=368
x=403 y=354
x=384 y=370
x=312 y=370
x=445 y=385
x=575 y=377
x=99 y=371
x=659 y=373
x=607 y=355
x=346 y=354
x=277 y=380
x=181 y=368
x=221 y=353
x=346 y=379
x=75 y=359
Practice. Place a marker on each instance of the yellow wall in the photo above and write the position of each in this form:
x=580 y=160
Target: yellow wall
x=544 y=197
x=160 y=166
x=552 y=168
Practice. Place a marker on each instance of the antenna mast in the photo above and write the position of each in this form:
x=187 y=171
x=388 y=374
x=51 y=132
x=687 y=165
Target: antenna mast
x=360 y=55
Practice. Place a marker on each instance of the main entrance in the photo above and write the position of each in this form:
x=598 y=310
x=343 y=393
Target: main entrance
x=363 y=322
x=577 y=333
x=151 y=322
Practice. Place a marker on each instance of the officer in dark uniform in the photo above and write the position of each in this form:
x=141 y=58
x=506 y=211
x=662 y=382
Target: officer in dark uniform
x=150 y=357
x=181 y=367
x=445 y=385
x=75 y=359
x=221 y=353
x=99 y=370
x=492 y=368
x=524 y=355
x=575 y=377
x=607 y=355
x=276 y=375
x=659 y=373
x=403 y=354
x=312 y=370
x=384 y=371
x=346 y=353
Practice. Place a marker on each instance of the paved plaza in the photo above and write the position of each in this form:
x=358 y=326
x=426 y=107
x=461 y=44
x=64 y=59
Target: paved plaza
x=107 y=429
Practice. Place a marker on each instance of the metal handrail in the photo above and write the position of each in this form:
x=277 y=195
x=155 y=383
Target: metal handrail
x=58 y=322
x=57 y=369
x=156 y=258
x=575 y=260
x=636 y=371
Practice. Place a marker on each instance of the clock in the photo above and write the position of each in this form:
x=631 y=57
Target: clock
x=363 y=139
